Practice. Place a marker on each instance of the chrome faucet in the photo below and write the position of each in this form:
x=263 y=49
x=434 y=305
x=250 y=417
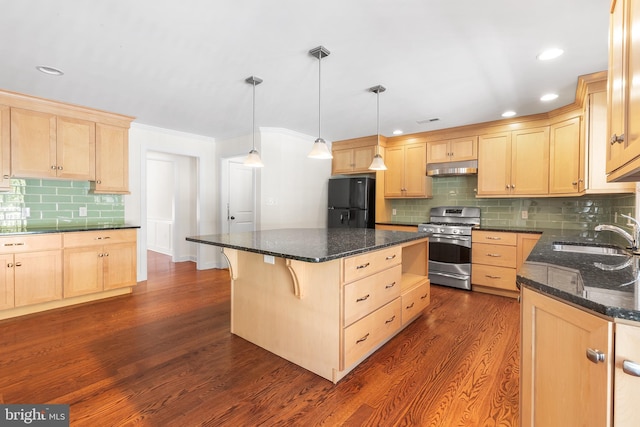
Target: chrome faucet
x=632 y=239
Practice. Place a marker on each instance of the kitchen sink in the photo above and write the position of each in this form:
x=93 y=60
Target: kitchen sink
x=590 y=249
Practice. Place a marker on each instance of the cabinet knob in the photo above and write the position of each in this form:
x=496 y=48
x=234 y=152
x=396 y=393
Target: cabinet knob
x=98 y=182
x=617 y=139
x=53 y=167
x=10 y=265
x=59 y=168
x=595 y=356
x=631 y=368
x=574 y=183
x=18 y=264
x=5 y=176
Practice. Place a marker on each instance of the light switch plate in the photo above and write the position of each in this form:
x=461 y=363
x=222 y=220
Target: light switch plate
x=82 y=211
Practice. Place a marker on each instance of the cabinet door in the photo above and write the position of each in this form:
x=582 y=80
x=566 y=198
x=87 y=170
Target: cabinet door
x=342 y=161
x=415 y=170
x=616 y=85
x=526 y=243
x=530 y=161
x=632 y=133
x=362 y=158
x=5 y=147
x=83 y=269
x=6 y=282
x=627 y=384
x=33 y=144
x=76 y=149
x=38 y=277
x=119 y=265
x=494 y=164
x=560 y=386
x=566 y=156
x=393 y=176
x=112 y=159
x=464 y=149
x=438 y=152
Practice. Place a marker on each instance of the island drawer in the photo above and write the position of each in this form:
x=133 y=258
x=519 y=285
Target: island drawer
x=494 y=237
x=365 y=295
x=33 y=243
x=359 y=266
x=495 y=277
x=364 y=335
x=415 y=300
x=500 y=255
x=96 y=238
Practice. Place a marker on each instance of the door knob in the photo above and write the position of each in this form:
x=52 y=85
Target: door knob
x=232 y=217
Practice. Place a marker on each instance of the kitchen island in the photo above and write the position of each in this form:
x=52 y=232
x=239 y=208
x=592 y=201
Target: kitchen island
x=324 y=299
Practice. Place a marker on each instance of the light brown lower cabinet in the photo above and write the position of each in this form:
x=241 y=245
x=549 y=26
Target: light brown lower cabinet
x=496 y=257
x=574 y=370
x=95 y=261
x=51 y=270
x=31 y=270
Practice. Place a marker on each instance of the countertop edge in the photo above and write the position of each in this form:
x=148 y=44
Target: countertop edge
x=50 y=230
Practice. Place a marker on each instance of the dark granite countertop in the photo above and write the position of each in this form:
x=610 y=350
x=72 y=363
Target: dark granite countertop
x=8 y=231
x=604 y=284
x=310 y=244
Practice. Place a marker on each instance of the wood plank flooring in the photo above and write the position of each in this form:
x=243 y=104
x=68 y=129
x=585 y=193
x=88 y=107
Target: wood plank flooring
x=164 y=357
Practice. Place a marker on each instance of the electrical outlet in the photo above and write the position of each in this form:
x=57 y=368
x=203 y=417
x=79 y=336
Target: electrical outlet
x=524 y=214
x=393 y=211
x=82 y=211
x=269 y=259
x=26 y=212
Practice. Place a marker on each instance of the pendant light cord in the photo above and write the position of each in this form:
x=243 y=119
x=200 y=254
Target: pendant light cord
x=253 y=130
x=378 y=122
x=319 y=93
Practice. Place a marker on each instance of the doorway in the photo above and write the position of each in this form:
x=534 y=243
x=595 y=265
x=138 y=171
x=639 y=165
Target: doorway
x=171 y=204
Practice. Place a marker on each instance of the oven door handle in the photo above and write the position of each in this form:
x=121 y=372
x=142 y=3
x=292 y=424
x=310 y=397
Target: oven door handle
x=452 y=276
x=451 y=237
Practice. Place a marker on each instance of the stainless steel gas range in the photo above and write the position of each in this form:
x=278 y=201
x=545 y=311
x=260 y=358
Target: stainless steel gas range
x=450 y=244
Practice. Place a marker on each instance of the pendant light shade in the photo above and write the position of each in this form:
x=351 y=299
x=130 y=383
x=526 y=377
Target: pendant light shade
x=320 y=149
x=253 y=159
x=378 y=163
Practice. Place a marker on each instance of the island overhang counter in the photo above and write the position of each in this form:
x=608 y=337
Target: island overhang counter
x=324 y=299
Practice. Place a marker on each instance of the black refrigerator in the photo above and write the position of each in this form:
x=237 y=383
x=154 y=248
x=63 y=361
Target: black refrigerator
x=352 y=203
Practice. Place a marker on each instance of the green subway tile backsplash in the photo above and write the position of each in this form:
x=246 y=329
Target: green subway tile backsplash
x=56 y=204
x=583 y=212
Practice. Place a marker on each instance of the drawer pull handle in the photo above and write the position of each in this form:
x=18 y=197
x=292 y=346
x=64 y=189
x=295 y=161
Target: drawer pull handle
x=364 y=298
x=631 y=368
x=363 y=266
x=494 y=255
x=390 y=257
x=103 y=238
x=493 y=238
x=364 y=338
x=14 y=244
x=492 y=277
x=390 y=320
x=390 y=285
x=596 y=356
x=18 y=264
x=424 y=296
x=410 y=306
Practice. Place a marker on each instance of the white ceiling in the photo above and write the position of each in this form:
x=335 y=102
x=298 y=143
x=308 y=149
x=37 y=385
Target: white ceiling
x=181 y=64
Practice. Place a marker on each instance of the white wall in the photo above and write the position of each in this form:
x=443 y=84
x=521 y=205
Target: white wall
x=143 y=139
x=293 y=187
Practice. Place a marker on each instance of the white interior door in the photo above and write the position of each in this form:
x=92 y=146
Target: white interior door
x=241 y=206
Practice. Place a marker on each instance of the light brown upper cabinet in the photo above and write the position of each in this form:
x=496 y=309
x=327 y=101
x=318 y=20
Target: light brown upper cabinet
x=514 y=163
x=44 y=145
x=406 y=174
x=354 y=155
x=5 y=147
x=112 y=160
x=566 y=170
x=623 y=145
x=453 y=150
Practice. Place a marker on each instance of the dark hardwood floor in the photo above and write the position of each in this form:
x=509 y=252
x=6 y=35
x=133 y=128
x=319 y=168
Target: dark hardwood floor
x=164 y=357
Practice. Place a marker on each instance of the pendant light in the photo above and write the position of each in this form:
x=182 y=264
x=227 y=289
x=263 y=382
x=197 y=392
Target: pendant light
x=320 y=149
x=378 y=164
x=253 y=159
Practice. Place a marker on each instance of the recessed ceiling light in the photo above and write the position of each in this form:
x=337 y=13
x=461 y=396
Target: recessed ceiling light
x=52 y=71
x=550 y=54
x=431 y=120
x=398 y=132
x=549 y=97
x=508 y=114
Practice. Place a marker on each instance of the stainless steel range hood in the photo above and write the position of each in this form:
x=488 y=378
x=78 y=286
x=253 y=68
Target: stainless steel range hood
x=469 y=167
